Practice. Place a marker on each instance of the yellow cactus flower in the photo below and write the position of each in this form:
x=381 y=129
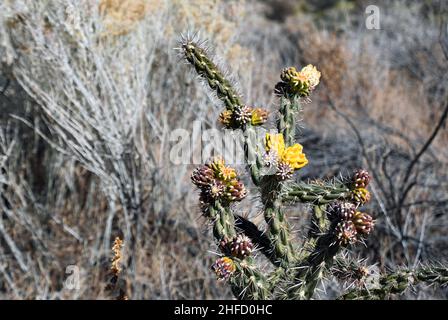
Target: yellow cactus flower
x=311 y=75
x=217 y=164
x=275 y=142
x=221 y=170
x=227 y=173
x=293 y=155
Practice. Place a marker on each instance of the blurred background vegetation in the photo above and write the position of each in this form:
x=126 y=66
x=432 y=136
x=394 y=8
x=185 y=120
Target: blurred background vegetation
x=90 y=91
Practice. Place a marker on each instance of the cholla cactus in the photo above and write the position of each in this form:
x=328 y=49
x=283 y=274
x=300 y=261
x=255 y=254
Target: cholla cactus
x=336 y=222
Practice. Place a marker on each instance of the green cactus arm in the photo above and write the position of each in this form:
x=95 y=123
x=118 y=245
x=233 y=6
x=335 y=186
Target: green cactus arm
x=347 y=269
x=223 y=221
x=280 y=236
x=286 y=125
x=208 y=70
x=316 y=193
x=319 y=222
x=258 y=237
x=252 y=154
x=217 y=82
x=432 y=274
x=398 y=282
x=314 y=268
x=278 y=228
x=249 y=283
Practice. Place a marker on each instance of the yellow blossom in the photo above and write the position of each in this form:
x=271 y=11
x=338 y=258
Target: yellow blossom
x=275 y=142
x=311 y=75
x=293 y=155
x=221 y=170
x=227 y=173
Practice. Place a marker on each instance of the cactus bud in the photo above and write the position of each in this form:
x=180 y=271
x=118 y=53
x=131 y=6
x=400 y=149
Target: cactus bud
x=363 y=223
x=288 y=74
x=225 y=118
x=241 y=246
x=298 y=82
x=224 y=268
x=259 y=116
x=235 y=191
x=215 y=189
x=342 y=210
x=361 y=178
x=202 y=176
x=361 y=195
x=242 y=114
x=345 y=232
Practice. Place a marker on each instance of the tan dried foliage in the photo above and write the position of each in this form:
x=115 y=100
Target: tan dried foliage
x=121 y=16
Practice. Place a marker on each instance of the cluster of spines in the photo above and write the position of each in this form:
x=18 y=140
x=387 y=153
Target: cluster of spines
x=351 y=272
